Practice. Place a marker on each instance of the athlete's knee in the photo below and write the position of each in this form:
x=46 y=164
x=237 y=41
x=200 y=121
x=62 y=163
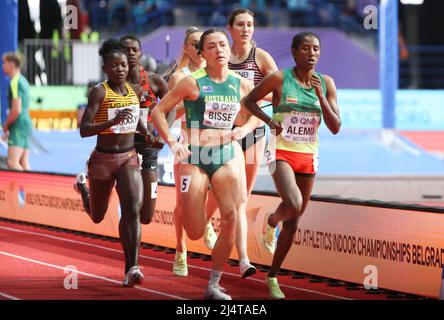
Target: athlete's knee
x=131 y=212
x=293 y=205
x=98 y=217
x=146 y=221
x=228 y=220
x=146 y=216
x=96 y=212
x=177 y=213
x=194 y=233
x=12 y=164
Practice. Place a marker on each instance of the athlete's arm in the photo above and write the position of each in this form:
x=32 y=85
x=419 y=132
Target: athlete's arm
x=252 y=122
x=159 y=85
x=267 y=65
x=14 y=113
x=95 y=98
x=16 y=106
x=162 y=89
x=174 y=79
x=265 y=62
x=270 y=84
x=329 y=104
x=185 y=89
x=180 y=110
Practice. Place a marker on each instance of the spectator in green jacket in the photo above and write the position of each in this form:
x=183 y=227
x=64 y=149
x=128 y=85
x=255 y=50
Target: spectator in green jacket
x=18 y=125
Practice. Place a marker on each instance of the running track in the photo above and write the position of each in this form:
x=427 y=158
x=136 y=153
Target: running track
x=34 y=263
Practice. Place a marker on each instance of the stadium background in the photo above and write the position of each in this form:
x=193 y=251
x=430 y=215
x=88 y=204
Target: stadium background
x=367 y=160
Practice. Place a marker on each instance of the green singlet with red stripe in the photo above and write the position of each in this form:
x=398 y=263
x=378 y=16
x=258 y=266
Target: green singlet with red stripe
x=300 y=114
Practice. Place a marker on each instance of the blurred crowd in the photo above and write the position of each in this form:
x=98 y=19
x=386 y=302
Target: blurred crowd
x=135 y=15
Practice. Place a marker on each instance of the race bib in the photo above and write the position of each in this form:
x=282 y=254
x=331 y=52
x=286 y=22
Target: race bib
x=300 y=127
x=220 y=115
x=247 y=74
x=127 y=126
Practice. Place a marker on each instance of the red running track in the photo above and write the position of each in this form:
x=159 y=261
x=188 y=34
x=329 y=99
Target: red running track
x=34 y=263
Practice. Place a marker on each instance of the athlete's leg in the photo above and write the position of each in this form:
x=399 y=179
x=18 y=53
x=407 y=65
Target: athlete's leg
x=14 y=155
x=149 y=177
x=254 y=156
x=129 y=188
x=211 y=205
x=229 y=189
x=289 y=209
x=178 y=224
x=230 y=192
x=24 y=160
x=289 y=228
x=101 y=182
x=290 y=205
x=96 y=198
x=285 y=182
x=180 y=267
x=253 y=159
x=193 y=184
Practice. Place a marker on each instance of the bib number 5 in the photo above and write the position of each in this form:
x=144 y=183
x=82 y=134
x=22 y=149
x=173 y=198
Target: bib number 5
x=185 y=182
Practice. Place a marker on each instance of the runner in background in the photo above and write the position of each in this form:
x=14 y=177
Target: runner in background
x=151 y=88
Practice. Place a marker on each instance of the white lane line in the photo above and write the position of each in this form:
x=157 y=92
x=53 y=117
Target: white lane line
x=88 y=275
x=7 y=296
x=166 y=261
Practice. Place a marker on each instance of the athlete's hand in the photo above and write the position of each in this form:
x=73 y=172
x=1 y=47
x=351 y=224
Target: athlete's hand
x=180 y=150
x=154 y=142
x=317 y=85
x=239 y=133
x=275 y=127
x=123 y=115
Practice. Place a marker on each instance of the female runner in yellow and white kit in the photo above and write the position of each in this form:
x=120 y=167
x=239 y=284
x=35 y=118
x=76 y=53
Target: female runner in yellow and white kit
x=112 y=114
